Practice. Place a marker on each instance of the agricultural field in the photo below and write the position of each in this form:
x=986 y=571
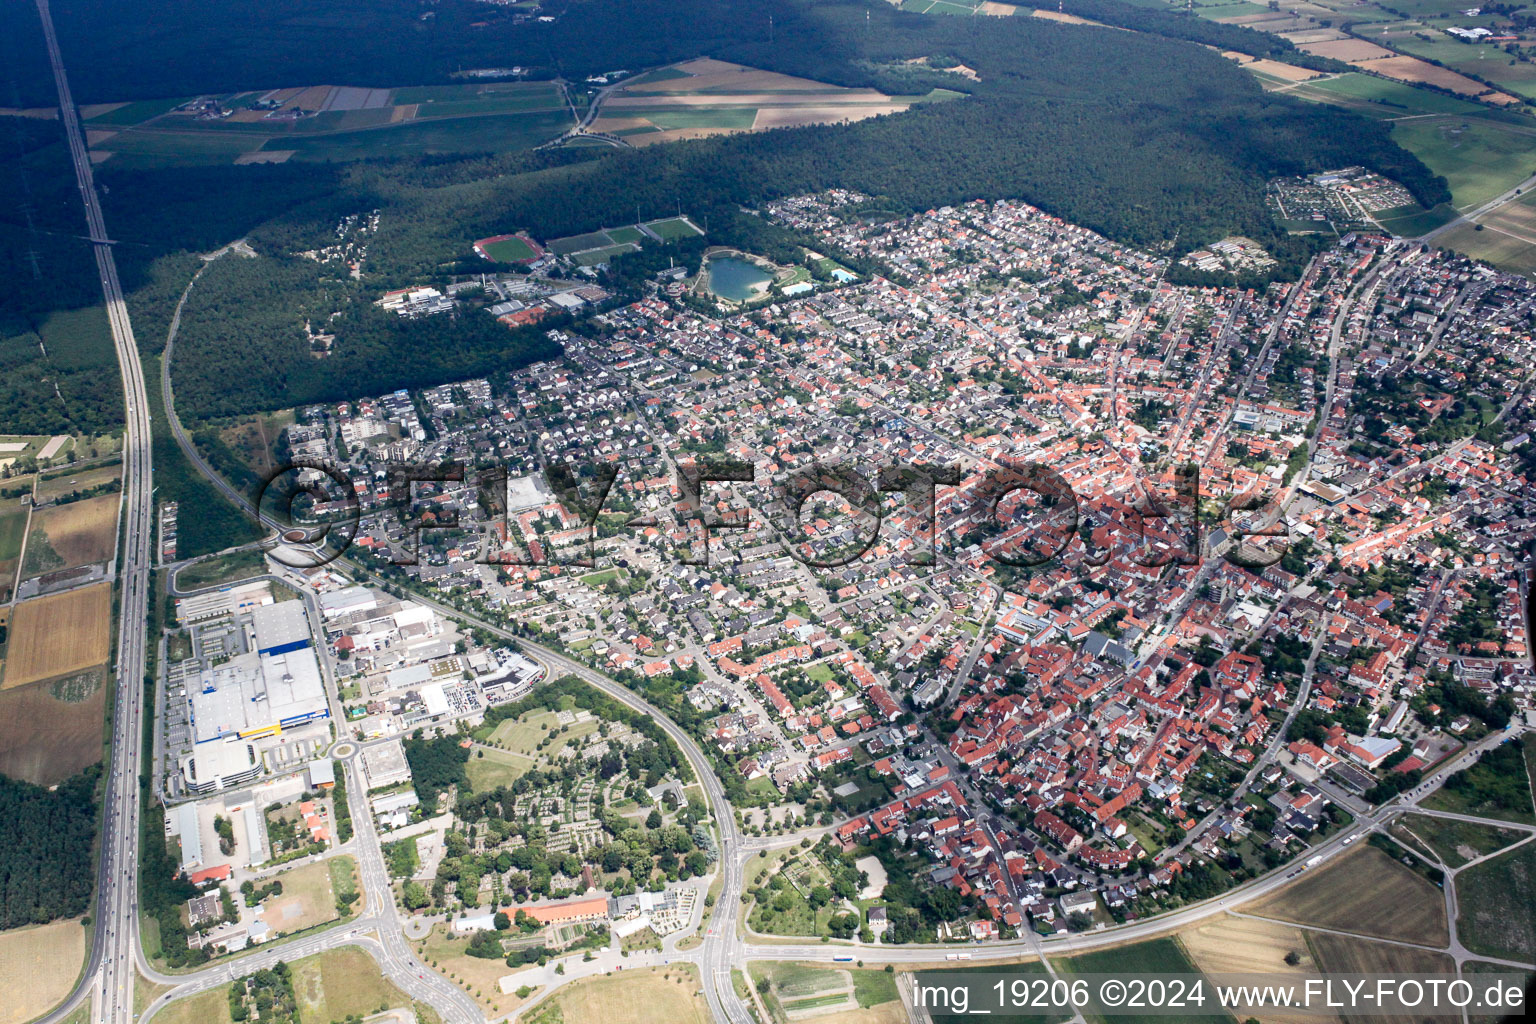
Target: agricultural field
x=658 y=995
x=710 y=97
x=341 y=983
x=1456 y=842
x=53 y=730
x=1246 y=945
x=1154 y=956
x=55 y=636
x=1480 y=159
x=1366 y=892
x=1497 y=901
x=13 y=527
x=1380 y=97
x=1341 y=954
x=328 y=123
x=220 y=569
x=1484 y=61
x=72 y=535
x=799 y=992
x=38 y=967
x=63 y=484
x=308 y=898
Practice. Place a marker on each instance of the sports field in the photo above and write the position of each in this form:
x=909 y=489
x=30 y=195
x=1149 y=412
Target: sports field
x=76 y=534
x=57 y=635
x=50 y=731
x=506 y=249
x=1365 y=892
x=38 y=967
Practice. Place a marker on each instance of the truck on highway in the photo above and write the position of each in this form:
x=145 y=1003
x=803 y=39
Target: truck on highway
x=1312 y=861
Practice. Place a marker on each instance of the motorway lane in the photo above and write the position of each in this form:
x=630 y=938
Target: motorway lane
x=109 y=973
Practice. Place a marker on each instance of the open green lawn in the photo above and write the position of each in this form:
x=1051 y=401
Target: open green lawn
x=524 y=734
x=1497 y=901
x=165 y=148
x=1480 y=159
x=677 y=118
x=489 y=768
x=1411 y=221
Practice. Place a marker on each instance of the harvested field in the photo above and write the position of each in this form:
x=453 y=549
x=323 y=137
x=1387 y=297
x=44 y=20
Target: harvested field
x=1339 y=954
x=38 y=967
x=1278 y=69
x=41 y=113
x=51 y=731
x=67 y=536
x=710 y=97
x=1411 y=69
x=313 y=98
x=58 y=635
x=1352 y=51
x=1313 y=35
x=1366 y=892
x=997 y=10
x=1243 y=945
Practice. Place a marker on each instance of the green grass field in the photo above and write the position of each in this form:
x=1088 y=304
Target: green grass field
x=13 y=525
x=1497 y=901
x=1479 y=158
x=489 y=768
x=135 y=113
x=508 y=250
x=1453 y=840
x=495 y=133
x=341 y=983
x=1380 y=97
x=673 y=227
x=678 y=118
x=221 y=569
x=1155 y=956
x=603 y=255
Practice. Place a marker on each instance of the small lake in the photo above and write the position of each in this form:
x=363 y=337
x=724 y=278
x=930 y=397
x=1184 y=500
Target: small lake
x=735 y=279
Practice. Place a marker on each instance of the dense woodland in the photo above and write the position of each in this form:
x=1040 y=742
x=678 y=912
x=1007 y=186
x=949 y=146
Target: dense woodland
x=47 y=871
x=1143 y=136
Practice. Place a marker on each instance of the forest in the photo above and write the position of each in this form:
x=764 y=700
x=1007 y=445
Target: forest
x=1143 y=136
x=48 y=873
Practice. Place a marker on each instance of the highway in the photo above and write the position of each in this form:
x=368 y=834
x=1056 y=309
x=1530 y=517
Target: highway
x=109 y=972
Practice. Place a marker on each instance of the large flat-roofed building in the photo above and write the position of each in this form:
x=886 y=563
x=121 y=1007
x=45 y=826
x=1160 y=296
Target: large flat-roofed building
x=214 y=766
x=385 y=765
x=257 y=694
x=281 y=627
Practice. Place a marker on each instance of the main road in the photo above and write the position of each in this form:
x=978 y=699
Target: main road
x=109 y=973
